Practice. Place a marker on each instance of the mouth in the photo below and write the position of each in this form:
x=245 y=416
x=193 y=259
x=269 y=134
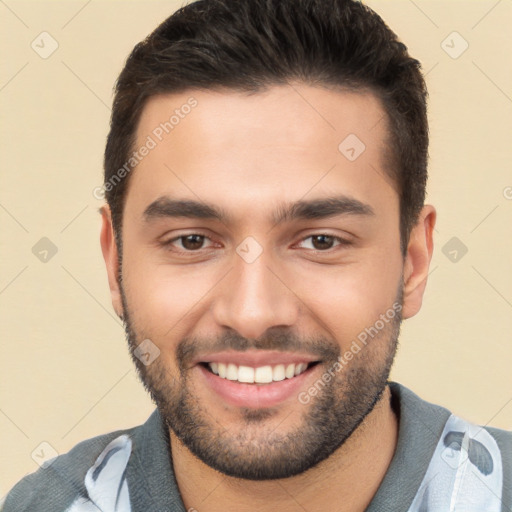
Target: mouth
x=257 y=375
x=256 y=379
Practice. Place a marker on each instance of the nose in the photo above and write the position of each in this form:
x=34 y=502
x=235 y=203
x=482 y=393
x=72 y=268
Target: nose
x=254 y=298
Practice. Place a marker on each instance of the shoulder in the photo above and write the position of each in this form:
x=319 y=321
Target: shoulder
x=448 y=441
x=503 y=439
x=60 y=481
x=431 y=419
x=428 y=412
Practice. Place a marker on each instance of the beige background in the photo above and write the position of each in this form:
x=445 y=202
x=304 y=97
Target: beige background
x=65 y=372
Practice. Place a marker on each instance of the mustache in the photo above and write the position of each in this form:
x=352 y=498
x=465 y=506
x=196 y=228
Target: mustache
x=321 y=347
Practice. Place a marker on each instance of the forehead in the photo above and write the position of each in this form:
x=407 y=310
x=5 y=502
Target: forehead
x=280 y=144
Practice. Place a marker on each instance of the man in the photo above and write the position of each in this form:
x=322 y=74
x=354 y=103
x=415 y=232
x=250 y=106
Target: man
x=264 y=237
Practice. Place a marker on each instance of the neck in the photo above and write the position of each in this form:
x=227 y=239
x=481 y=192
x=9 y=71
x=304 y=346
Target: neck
x=351 y=475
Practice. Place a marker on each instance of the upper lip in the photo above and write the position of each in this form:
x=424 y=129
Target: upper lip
x=256 y=358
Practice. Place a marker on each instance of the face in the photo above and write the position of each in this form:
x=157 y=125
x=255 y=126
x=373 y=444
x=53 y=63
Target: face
x=261 y=248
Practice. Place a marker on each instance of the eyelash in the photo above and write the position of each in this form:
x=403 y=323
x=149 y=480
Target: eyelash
x=168 y=243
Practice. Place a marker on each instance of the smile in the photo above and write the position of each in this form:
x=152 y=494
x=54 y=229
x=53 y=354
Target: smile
x=259 y=375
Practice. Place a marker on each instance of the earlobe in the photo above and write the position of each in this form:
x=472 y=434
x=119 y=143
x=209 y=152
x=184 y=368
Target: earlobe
x=417 y=261
x=110 y=255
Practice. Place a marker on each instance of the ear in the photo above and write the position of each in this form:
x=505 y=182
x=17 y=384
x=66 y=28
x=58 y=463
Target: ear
x=417 y=261
x=110 y=255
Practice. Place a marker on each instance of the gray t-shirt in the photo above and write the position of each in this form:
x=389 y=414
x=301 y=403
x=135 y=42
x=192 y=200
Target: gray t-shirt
x=441 y=463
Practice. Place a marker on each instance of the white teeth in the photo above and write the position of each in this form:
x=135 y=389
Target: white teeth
x=232 y=372
x=290 y=371
x=259 y=375
x=246 y=374
x=278 y=372
x=300 y=368
x=263 y=374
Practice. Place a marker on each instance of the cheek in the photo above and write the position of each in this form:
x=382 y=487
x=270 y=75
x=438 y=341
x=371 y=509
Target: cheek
x=164 y=300
x=348 y=299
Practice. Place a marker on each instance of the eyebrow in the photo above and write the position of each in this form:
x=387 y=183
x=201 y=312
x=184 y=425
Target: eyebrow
x=167 y=207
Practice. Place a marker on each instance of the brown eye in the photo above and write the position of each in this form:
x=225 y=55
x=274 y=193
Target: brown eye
x=322 y=242
x=187 y=244
x=192 y=242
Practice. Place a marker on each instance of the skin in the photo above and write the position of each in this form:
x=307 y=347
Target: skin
x=247 y=154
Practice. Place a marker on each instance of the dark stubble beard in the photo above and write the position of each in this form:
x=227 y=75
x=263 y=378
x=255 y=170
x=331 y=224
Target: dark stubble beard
x=254 y=451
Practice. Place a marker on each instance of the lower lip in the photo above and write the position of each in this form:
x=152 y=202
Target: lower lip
x=255 y=395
